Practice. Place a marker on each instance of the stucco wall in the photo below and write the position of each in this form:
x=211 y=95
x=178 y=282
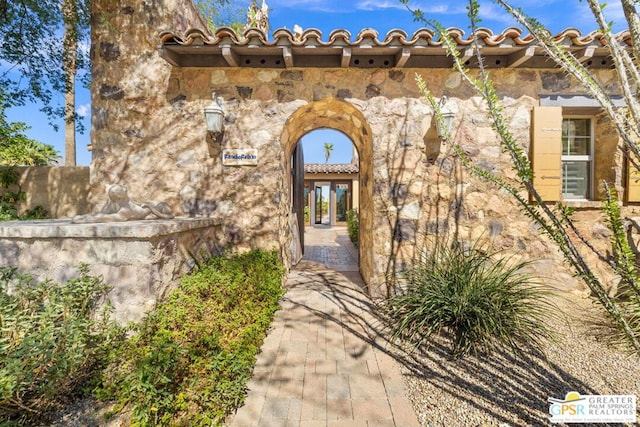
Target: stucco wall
x=353 y=179
x=62 y=191
x=149 y=132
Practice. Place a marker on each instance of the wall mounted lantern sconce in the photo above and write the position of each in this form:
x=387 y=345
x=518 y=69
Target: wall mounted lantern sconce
x=443 y=124
x=214 y=114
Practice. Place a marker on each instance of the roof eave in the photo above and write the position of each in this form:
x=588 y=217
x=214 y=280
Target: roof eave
x=505 y=50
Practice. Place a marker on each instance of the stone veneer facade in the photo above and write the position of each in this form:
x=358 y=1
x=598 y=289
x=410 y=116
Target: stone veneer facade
x=148 y=131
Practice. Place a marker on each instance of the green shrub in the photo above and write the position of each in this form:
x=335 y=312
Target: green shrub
x=307 y=214
x=479 y=300
x=353 y=225
x=190 y=359
x=54 y=339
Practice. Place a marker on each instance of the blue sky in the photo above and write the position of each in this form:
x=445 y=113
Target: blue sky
x=355 y=15
x=314 y=141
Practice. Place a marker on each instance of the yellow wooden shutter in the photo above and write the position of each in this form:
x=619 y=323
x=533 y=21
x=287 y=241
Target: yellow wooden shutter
x=633 y=181
x=546 y=152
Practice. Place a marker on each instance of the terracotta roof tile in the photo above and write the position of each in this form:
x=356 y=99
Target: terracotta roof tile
x=313 y=37
x=330 y=168
x=225 y=48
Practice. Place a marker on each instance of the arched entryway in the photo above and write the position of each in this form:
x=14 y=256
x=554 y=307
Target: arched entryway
x=348 y=119
x=330 y=178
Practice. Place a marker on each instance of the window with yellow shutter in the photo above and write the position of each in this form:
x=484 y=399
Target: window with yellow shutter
x=574 y=148
x=546 y=151
x=577 y=158
x=633 y=181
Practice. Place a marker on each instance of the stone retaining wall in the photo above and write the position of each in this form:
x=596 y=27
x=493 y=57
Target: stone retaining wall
x=142 y=260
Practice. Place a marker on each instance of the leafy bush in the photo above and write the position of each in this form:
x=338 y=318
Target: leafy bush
x=54 y=339
x=481 y=301
x=353 y=225
x=190 y=359
x=16 y=149
x=9 y=199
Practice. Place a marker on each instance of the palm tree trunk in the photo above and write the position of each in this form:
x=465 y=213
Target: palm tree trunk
x=70 y=17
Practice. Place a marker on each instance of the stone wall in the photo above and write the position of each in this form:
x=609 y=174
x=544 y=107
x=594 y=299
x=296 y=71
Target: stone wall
x=149 y=132
x=142 y=260
x=62 y=191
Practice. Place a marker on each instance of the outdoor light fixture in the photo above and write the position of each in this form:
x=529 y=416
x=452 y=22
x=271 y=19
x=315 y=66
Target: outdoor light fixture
x=214 y=114
x=443 y=124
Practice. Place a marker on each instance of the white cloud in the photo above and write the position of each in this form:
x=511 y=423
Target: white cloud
x=497 y=14
x=339 y=6
x=432 y=7
x=83 y=110
x=379 y=4
x=612 y=12
x=84 y=47
x=551 y=13
x=309 y=5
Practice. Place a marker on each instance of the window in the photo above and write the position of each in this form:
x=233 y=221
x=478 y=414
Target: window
x=577 y=149
x=565 y=160
x=343 y=200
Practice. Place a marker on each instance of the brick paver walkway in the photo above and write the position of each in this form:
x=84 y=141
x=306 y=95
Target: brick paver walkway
x=324 y=362
x=330 y=246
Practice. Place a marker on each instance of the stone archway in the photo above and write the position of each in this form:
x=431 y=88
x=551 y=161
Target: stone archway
x=347 y=118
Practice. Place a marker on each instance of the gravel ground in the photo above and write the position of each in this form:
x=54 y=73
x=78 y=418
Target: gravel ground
x=505 y=390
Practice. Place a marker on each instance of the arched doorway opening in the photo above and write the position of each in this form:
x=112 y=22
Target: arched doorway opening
x=345 y=117
x=331 y=166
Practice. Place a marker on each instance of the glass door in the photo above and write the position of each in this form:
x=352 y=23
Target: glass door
x=322 y=193
x=343 y=200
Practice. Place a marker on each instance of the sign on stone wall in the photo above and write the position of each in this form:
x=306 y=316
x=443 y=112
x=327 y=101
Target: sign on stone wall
x=241 y=157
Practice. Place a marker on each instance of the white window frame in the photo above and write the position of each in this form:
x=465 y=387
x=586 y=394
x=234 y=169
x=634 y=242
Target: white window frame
x=582 y=158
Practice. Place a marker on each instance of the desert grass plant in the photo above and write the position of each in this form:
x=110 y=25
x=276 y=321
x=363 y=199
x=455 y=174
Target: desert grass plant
x=478 y=300
x=189 y=360
x=54 y=339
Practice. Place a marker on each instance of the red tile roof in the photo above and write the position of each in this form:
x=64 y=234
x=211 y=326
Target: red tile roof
x=349 y=168
x=287 y=49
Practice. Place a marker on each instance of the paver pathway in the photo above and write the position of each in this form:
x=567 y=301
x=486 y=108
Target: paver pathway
x=330 y=246
x=324 y=363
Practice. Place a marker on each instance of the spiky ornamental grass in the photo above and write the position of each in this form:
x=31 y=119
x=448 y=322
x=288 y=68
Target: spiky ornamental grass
x=473 y=297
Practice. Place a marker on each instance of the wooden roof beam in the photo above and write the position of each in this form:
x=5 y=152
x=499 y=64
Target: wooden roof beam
x=230 y=56
x=169 y=56
x=520 y=57
x=402 y=57
x=585 y=54
x=346 y=57
x=467 y=54
x=287 y=55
